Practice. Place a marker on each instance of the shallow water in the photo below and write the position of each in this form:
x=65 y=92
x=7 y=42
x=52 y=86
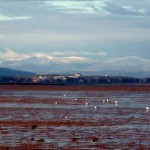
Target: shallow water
x=108 y=126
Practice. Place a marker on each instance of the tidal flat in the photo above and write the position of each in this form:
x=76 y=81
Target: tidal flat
x=74 y=117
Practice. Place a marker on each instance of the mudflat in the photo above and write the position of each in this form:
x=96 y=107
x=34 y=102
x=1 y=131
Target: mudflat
x=70 y=117
x=111 y=87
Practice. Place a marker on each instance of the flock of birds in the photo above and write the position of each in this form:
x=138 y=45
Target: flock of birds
x=104 y=101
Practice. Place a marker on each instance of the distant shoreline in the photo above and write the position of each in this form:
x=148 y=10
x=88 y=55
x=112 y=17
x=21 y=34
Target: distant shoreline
x=103 y=88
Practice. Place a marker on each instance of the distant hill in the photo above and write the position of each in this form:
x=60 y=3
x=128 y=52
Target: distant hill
x=117 y=73
x=11 y=72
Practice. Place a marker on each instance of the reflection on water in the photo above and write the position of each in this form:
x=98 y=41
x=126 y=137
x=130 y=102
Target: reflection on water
x=120 y=125
x=126 y=99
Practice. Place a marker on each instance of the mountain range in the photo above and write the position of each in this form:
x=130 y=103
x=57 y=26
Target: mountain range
x=11 y=72
x=43 y=64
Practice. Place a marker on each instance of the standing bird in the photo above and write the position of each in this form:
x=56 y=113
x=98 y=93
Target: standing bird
x=147 y=108
x=116 y=102
x=86 y=104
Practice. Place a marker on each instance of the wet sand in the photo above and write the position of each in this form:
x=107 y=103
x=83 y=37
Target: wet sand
x=34 y=122
x=126 y=87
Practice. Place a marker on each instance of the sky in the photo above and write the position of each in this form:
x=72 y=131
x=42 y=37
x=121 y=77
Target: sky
x=46 y=36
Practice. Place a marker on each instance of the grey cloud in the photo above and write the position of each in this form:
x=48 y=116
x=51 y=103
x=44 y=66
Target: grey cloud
x=75 y=6
x=124 y=7
x=125 y=10
x=12 y=17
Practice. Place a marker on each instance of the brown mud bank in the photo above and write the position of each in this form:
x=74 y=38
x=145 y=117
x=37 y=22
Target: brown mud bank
x=126 y=87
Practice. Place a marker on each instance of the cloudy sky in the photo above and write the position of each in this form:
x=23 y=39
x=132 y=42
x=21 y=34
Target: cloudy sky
x=77 y=35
